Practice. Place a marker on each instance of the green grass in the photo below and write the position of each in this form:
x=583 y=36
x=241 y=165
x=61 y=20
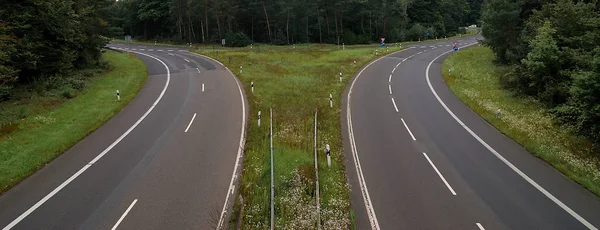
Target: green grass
x=294 y=82
x=475 y=80
x=51 y=124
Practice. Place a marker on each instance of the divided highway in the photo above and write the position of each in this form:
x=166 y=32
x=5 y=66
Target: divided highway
x=418 y=158
x=164 y=162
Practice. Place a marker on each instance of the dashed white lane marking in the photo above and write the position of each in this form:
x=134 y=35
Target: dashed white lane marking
x=440 y=174
x=142 y=49
x=400 y=63
x=407 y=129
x=390 y=78
x=93 y=161
x=198 y=70
x=423 y=47
x=390 y=88
x=394 y=102
x=186 y=60
x=193 y=117
x=394 y=69
x=124 y=214
x=202 y=87
x=480 y=226
x=160 y=50
x=132 y=49
x=170 y=50
x=493 y=151
x=150 y=49
x=420 y=52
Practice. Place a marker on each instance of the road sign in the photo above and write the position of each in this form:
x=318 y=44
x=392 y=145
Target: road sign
x=383 y=44
x=427 y=33
x=455 y=48
x=382 y=39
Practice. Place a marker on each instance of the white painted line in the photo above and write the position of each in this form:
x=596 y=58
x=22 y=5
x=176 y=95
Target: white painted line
x=361 y=178
x=390 y=88
x=124 y=214
x=240 y=146
x=132 y=49
x=419 y=52
x=480 y=226
x=198 y=70
x=202 y=87
x=159 y=50
x=394 y=102
x=493 y=151
x=409 y=132
x=423 y=47
x=186 y=60
x=193 y=117
x=404 y=59
x=170 y=50
x=394 y=69
x=150 y=49
x=399 y=63
x=432 y=48
x=439 y=174
x=142 y=49
x=390 y=78
x=89 y=164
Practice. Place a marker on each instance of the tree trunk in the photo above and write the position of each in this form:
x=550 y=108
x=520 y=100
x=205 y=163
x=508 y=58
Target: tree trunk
x=362 y=25
x=287 y=27
x=202 y=27
x=319 y=22
x=268 y=25
x=327 y=22
x=219 y=27
x=336 y=26
x=206 y=19
x=307 y=40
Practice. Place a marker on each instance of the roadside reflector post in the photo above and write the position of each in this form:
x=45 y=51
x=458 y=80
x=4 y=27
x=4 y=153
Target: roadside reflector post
x=376 y=52
x=343 y=46
x=498 y=114
x=155 y=43
x=330 y=101
x=328 y=152
x=240 y=69
x=258 y=118
x=250 y=46
x=354 y=62
x=252 y=86
x=294 y=46
x=340 y=76
x=118 y=95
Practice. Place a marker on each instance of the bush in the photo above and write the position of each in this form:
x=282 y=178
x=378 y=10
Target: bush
x=238 y=39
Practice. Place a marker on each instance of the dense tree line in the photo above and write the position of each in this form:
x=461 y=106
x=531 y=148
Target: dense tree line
x=555 y=48
x=292 y=21
x=44 y=38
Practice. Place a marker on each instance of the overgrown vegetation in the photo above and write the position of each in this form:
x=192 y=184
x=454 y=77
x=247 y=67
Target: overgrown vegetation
x=477 y=82
x=43 y=39
x=294 y=82
x=554 y=50
x=45 y=119
x=286 y=22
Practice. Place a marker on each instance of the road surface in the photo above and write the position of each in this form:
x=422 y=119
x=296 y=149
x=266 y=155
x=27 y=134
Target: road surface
x=420 y=161
x=164 y=162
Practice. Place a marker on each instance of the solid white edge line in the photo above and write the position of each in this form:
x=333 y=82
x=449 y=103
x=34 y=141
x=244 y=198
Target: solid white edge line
x=390 y=78
x=85 y=167
x=394 y=102
x=192 y=121
x=124 y=214
x=406 y=126
x=361 y=179
x=440 y=174
x=390 y=88
x=492 y=150
x=480 y=226
x=231 y=189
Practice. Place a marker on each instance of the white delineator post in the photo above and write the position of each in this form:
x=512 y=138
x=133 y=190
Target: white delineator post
x=252 y=86
x=328 y=152
x=258 y=118
x=343 y=46
x=354 y=62
x=340 y=76
x=376 y=52
x=330 y=101
x=118 y=95
x=240 y=69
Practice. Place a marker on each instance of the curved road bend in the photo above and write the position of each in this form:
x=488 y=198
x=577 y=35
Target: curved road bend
x=177 y=171
x=438 y=175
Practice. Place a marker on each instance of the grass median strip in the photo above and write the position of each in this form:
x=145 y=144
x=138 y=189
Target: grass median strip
x=294 y=82
x=473 y=77
x=51 y=124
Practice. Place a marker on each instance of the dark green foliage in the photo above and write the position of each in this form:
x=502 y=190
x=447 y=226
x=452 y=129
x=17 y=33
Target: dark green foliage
x=555 y=48
x=238 y=39
x=43 y=38
x=286 y=22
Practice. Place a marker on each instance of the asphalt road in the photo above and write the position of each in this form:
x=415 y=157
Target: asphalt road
x=412 y=165
x=164 y=162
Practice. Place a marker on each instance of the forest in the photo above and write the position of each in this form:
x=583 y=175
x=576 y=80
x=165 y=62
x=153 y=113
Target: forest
x=554 y=47
x=285 y=22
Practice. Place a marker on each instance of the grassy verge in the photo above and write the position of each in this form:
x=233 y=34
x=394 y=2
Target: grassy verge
x=50 y=121
x=294 y=82
x=475 y=80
